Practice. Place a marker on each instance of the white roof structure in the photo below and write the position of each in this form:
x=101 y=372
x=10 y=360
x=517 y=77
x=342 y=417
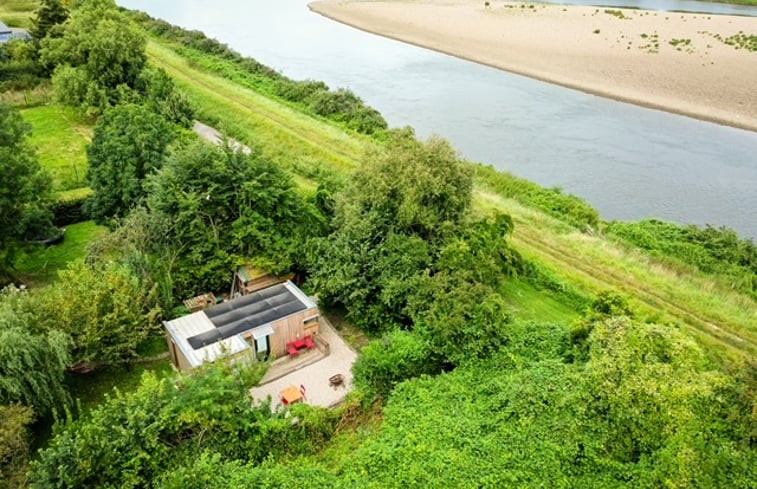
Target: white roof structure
x=185 y=327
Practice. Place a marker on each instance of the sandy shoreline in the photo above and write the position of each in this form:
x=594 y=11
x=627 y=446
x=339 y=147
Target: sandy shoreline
x=670 y=61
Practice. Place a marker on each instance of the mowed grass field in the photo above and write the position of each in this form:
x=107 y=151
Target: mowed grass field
x=60 y=137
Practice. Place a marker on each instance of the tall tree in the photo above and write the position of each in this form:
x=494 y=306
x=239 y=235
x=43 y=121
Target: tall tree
x=129 y=143
x=225 y=207
x=32 y=363
x=390 y=222
x=24 y=189
x=98 y=58
x=50 y=14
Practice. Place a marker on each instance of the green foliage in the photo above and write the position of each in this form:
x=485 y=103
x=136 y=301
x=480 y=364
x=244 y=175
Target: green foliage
x=132 y=438
x=389 y=220
x=24 y=189
x=341 y=106
x=162 y=97
x=98 y=57
x=130 y=142
x=644 y=411
x=568 y=208
x=50 y=14
x=462 y=320
x=717 y=251
x=32 y=363
x=397 y=356
x=222 y=207
x=107 y=310
x=68 y=207
x=14 y=445
x=19 y=68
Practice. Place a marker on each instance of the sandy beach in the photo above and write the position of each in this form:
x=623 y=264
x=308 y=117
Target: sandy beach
x=677 y=62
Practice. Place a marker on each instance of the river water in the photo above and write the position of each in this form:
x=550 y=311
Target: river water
x=627 y=161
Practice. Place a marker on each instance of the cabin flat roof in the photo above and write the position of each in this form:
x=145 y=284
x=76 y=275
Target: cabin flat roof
x=217 y=331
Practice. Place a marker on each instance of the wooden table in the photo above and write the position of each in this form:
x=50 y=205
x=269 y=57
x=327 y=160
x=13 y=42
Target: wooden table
x=291 y=394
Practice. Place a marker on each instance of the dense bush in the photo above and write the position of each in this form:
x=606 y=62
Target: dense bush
x=107 y=310
x=341 y=106
x=398 y=356
x=68 y=208
x=717 y=251
x=14 y=445
x=132 y=438
x=568 y=208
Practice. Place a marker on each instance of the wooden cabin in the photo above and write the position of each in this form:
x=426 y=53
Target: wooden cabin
x=250 y=326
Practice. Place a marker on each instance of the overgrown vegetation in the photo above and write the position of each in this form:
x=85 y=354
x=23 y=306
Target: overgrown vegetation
x=416 y=246
x=716 y=251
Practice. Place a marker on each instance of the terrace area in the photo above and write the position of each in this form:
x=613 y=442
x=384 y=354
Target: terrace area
x=312 y=370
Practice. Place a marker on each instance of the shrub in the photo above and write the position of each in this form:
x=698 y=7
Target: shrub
x=398 y=356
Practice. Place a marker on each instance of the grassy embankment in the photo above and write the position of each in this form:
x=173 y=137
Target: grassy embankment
x=17 y=13
x=718 y=316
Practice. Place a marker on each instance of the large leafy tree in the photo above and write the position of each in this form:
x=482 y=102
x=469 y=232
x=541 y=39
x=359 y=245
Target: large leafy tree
x=390 y=222
x=24 y=189
x=129 y=143
x=107 y=310
x=98 y=57
x=225 y=206
x=32 y=363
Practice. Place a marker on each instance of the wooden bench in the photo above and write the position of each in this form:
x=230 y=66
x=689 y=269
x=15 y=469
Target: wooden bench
x=294 y=347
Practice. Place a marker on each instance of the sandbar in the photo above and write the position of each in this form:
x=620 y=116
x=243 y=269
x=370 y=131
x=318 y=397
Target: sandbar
x=696 y=65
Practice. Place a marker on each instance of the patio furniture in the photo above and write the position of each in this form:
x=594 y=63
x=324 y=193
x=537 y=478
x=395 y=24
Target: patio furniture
x=291 y=395
x=336 y=380
x=294 y=347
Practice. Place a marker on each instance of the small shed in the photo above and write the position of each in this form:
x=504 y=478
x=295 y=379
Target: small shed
x=248 y=279
x=250 y=326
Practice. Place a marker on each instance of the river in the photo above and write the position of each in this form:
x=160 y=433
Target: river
x=627 y=161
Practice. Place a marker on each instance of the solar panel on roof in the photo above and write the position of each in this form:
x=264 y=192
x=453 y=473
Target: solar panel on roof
x=248 y=312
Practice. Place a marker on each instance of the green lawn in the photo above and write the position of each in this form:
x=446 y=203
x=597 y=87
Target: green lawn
x=60 y=138
x=38 y=265
x=530 y=304
x=90 y=388
x=18 y=13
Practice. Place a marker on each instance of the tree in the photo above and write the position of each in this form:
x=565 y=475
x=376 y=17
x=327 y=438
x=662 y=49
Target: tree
x=390 y=223
x=14 y=444
x=50 y=14
x=32 y=363
x=98 y=58
x=129 y=143
x=24 y=190
x=226 y=207
x=162 y=97
x=107 y=310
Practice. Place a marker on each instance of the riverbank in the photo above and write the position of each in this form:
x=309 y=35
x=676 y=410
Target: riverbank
x=676 y=62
